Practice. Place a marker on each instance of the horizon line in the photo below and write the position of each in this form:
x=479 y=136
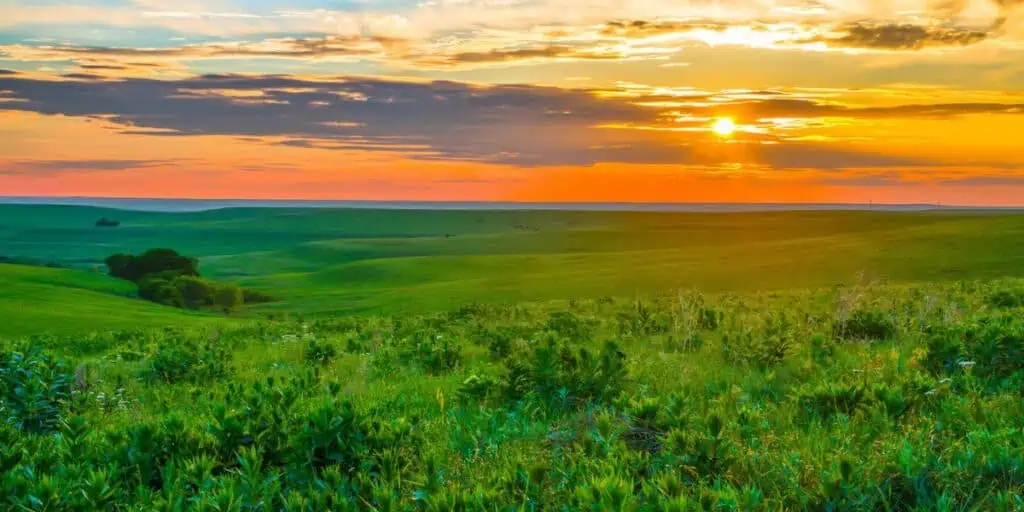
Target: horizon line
x=223 y=203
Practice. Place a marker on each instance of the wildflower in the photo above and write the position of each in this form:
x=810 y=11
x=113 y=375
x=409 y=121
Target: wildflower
x=967 y=365
x=947 y=380
x=930 y=393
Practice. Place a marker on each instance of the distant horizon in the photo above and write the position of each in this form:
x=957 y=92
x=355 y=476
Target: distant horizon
x=185 y=204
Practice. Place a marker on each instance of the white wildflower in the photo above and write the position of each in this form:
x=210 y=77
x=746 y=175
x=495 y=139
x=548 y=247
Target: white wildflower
x=967 y=364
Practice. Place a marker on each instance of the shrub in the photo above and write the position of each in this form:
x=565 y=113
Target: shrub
x=558 y=373
x=571 y=325
x=866 y=324
x=195 y=293
x=320 y=353
x=161 y=291
x=228 y=297
x=436 y=357
x=828 y=399
x=35 y=390
x=188 y=361
x=641 y=320
x=1006 y=297
x=762 y=343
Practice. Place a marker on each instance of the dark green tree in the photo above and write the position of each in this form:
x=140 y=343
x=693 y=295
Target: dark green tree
x=154 y=261
x=228 y=298
x=195 y=293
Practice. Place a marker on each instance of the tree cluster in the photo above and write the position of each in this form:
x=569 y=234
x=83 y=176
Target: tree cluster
x=166 y=277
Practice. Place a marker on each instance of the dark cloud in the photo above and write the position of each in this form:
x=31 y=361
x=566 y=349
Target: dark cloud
x=750 y=111
x=504 y=55
x=642 y=28
x=103 y=67
x=51 y=167
x=292 y=48
x=514 y=124
x=898 y=36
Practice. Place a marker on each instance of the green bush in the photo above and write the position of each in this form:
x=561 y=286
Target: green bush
x=866 y=324
x=567 y=376
x=35 y=390
x=762 y=343
x=186 y=360
x=320 y=353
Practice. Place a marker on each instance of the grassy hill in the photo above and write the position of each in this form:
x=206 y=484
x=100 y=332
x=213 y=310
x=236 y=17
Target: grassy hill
x=36 y=300
x=328 y=261
x=642 y=396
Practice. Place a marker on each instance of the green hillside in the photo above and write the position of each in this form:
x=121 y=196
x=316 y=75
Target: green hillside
x=35 y=300
x=323 y=260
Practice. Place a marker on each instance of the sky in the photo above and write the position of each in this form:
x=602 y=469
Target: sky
x=885 y=101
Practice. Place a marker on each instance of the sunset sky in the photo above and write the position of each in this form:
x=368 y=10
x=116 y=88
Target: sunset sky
x=515 y=100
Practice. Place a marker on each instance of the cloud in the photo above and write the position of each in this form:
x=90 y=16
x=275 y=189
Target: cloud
x=550 y=52
x=897 y=36
x=520 y=125
x=632 y=29
x=292 y=48
x=55 y=167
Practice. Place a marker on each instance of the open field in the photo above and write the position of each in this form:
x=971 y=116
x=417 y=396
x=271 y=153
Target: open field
x=519 y=361
x=37 y=300
x=331 y=261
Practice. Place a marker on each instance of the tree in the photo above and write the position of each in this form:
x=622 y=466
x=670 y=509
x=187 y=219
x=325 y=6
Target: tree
x=164 y=262
x=122 y=266
x=194 y=292
x=156 y=261
x=228 y=297
x=160 y=290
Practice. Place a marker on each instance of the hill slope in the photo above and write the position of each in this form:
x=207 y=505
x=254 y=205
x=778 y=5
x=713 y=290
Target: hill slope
x=38 y=299
x=323 y=260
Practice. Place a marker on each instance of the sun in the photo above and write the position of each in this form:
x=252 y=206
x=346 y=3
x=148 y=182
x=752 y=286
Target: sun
x=724 y=126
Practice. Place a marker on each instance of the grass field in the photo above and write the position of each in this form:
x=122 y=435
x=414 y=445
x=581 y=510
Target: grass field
x=329 y=261
x=894 y=398
x=519 y=361
x=38 y=300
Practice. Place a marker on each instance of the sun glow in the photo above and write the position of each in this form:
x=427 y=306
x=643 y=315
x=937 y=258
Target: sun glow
x=724 y=126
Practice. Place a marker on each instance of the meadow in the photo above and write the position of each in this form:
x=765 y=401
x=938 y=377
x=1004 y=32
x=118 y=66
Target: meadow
x=384 y=261
x=880 y=398
x=519 y=361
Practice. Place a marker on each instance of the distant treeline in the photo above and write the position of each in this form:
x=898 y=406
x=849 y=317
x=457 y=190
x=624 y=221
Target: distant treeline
x=166 y=277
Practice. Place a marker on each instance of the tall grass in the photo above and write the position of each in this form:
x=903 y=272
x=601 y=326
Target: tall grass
x=878 y=398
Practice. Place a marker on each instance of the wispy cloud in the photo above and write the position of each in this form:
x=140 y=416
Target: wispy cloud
x=56 y=167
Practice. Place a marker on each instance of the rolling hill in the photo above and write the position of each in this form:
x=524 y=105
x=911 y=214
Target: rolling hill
x=37 y=300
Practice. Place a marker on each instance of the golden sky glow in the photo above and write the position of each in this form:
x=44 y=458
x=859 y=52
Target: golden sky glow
x=617 y=100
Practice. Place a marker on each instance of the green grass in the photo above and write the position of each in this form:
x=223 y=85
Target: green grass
x=848 y=399
x=831 y=361
x=330 y=261
x=37 y=300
